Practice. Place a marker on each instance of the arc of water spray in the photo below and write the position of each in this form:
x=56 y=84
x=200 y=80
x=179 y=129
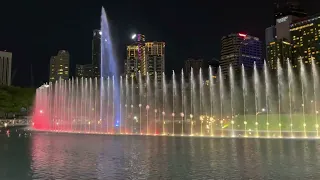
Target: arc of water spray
x=280 y=81
x=211 y=99
x=231 y=95
x=244 y=94
x=290 y=78
x=173 y=99
x=303 y=80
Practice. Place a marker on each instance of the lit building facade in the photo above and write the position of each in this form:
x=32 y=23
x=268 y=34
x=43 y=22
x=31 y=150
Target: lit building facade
x=154 y=59
x=238 y=49
x=305 y=35
x=59 y=66
x=135 y=56
x=85 y=71
x=132 y=63
x=5 y=68
x=146 y=57
x=278 y=50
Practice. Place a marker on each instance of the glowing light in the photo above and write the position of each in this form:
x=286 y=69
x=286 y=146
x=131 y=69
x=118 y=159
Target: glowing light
x=242 y=35
x=135 y=118
x=133 y=36
x=5 y=124
x=263 y=109
x=41 y=111
x=100 y=33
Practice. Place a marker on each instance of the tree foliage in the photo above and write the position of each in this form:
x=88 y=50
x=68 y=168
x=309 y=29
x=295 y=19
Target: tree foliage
x=12 y=99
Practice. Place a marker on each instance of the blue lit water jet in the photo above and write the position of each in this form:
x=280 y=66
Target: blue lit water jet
x=109 y=66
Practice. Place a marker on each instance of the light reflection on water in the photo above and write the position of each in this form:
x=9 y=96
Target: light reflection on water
x=70 y=156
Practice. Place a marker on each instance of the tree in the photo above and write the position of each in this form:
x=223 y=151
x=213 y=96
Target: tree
x=12 y=99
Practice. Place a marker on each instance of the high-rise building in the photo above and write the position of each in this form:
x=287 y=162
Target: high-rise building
x=305 y=35
x=288 y=7
x=85 y=71
x=278 y=50
x=146 y=57
x=154 y=59
x=5 y=68
x=287 y=11
x=132 y=64
x=195 y=64
x=238 y=49
x=270 y=34
x=135 y=55
x=59 y=66
x=96 y=53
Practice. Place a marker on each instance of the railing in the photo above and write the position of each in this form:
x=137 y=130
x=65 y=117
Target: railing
x=14 y=122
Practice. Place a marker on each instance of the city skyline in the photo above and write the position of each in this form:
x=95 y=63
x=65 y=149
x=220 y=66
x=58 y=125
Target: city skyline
x=186 y=35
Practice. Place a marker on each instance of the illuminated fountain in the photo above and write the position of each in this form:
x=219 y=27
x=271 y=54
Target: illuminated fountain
x=243 y=102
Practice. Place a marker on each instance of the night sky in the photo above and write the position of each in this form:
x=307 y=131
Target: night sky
x=35 y=30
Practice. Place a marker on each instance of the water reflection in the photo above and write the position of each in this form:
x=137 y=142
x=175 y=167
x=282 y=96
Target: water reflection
x=69 y=156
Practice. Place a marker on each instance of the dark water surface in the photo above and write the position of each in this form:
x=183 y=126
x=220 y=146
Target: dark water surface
x=74 y=156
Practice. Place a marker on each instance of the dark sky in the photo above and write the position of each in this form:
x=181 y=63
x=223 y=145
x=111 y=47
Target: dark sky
x=35 y=30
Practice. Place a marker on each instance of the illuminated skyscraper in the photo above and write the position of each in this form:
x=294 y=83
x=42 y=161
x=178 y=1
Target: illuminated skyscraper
x=146 y=57
x=154 y=59
x=5 y=68
x=305 y=35
x=279 y=49
x=85 y=70
x=135 y=55
x=59 y=66
x=238 y=49
x=286 y=12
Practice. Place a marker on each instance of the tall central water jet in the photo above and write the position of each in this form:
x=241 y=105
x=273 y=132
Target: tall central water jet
x=108 y=66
